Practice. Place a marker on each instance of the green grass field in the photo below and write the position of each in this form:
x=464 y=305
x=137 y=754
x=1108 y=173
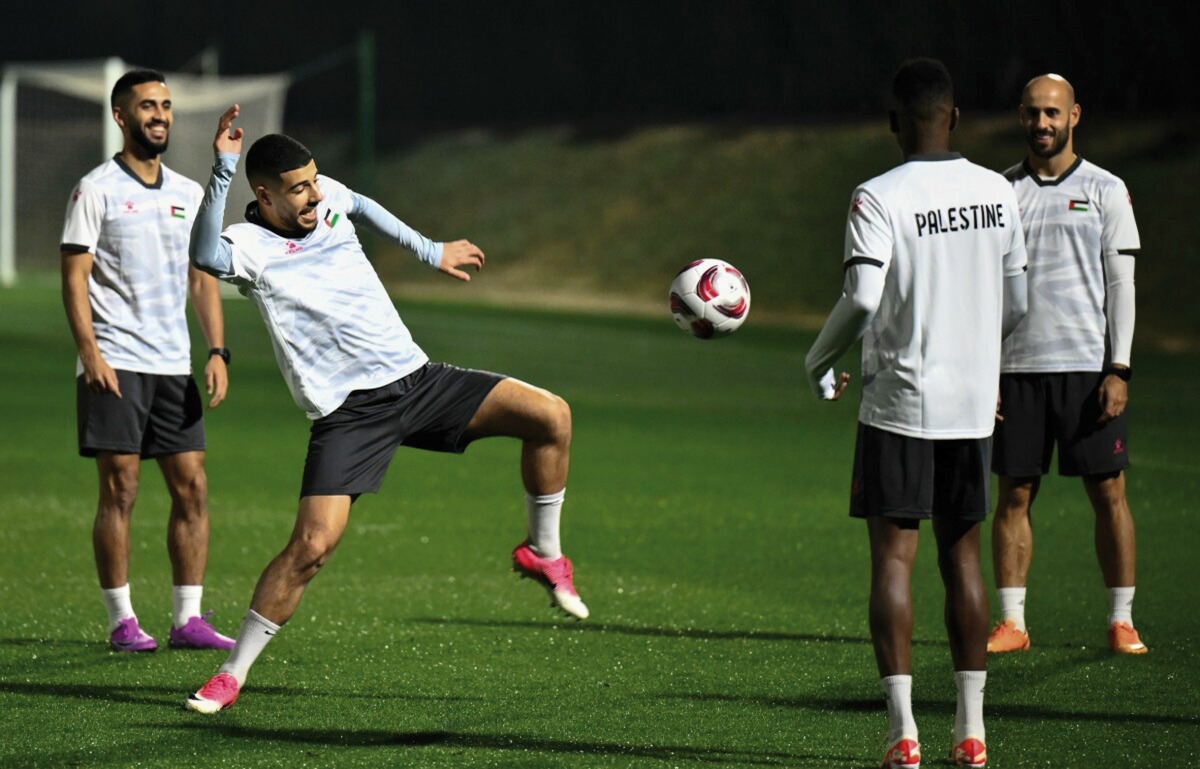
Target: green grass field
x=706 y=515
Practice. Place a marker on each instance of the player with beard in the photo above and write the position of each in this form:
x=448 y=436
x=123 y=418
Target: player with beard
x=353 y=367
x=1066 y=368
x=125 y=283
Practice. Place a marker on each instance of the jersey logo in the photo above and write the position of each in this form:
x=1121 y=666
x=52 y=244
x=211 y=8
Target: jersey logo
x=75 y=195
x=331 y=222
x=1078 y=205
x=178 y=212
x=130 y=208
x=857 y=206
x=293 y=247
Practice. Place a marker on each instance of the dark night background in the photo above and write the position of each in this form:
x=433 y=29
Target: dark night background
x=469 y=62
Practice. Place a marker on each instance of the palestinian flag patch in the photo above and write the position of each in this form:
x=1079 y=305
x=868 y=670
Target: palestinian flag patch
x=331 y=222
x=1078 y=205
x=178 y=212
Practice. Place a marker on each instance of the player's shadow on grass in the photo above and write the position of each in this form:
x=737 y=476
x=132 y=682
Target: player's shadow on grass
x=49 y=642
x=171 y=696
x=939 y=707
x=659 y=632
x=505 y=742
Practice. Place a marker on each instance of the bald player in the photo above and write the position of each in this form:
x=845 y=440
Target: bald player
x=1065 y=371
x=934 y=268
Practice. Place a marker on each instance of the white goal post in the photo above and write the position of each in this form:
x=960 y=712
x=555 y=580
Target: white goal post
x=56 y=126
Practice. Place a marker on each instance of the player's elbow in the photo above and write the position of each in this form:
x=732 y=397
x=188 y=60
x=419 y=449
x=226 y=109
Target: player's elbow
x=864 y=304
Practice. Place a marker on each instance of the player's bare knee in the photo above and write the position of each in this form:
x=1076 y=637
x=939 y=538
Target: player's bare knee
x=310 y=552
x=1016 y=498
x=119 y=490
x=1107 y=494
x=190 y=496
x=558 y=420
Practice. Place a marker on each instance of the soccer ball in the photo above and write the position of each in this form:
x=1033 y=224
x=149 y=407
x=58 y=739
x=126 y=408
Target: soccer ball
x=709 y=298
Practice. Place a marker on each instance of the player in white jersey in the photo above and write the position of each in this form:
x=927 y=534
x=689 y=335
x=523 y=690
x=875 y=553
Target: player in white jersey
x=126 y=280
x=934 y=277
x=353 y=367
x=1065 y=371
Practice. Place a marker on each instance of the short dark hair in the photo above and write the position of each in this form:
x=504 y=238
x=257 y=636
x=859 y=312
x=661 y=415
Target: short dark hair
x=921 y=86
x=274 y=155
x=124 y=85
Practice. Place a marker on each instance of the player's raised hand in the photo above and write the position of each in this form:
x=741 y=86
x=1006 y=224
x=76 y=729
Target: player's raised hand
x=229 y=139
x=458 y=254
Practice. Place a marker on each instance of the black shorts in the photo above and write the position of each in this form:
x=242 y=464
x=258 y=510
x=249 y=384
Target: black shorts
x=157 y=414
x=349 y=450
x=1040 y=410
x=896 y=476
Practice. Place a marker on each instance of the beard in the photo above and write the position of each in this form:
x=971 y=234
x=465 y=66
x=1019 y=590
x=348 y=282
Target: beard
x=1060 y=141
x=151 y=147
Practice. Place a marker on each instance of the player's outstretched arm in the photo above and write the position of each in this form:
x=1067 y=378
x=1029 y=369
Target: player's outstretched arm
x=449 y=258
x=207 y=250
x=861 y=294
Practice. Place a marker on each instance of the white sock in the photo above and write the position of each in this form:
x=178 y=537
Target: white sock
x=1120 y=605
x=544 y=512
x=898 y=691
x=968 y=716
x=1012 y=605
x=118 y=605
x=252 y=638
x=185 y=603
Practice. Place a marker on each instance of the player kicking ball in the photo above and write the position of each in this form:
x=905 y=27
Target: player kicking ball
x=352 y=365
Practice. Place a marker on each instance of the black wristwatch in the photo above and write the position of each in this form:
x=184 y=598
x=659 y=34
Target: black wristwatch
x=223 y=352
x=1124 y=374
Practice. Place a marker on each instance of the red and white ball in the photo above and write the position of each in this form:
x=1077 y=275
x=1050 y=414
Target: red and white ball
x=709 y=298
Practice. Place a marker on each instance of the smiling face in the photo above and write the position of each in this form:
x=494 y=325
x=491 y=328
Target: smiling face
x=1049 y=115
x=145 y=118
x=290 y=202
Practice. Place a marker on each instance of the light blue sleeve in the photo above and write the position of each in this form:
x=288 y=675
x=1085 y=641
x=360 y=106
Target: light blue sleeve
x=207 y=250
x=368 y=212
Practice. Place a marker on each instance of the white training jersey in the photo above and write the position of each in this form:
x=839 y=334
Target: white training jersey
x=1072 y=224
x=946 y=232
x=138 y=236
x=332 y=325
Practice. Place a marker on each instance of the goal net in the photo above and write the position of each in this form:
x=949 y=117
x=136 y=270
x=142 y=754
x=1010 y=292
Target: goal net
x=56 y=126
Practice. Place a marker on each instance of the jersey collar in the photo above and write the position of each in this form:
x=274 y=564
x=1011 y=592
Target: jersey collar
x=254 y=217
x=926 y=157
x=157 y=182
x=1039 y=181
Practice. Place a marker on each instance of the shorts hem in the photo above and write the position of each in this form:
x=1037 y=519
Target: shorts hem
x=91 y=452
x=1009 y=473
x=459 y=446
x=168 y=452
x=346 y=492
x=1078 y=472
x=917 y=515
x=920 y=515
